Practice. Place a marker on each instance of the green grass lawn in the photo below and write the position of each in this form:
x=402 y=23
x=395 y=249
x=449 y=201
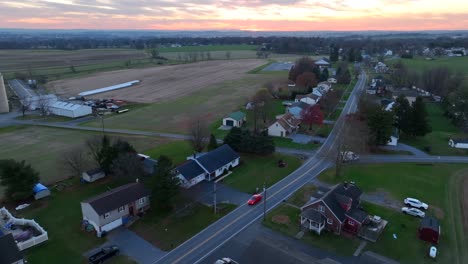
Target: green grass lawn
x=442 y=131
x=433 y=184
x=282 y=142
x=178 y=151
x=456 y=64
x=167 y=232
x=207 y=48
x=302 y=196
x=254 y=170
x=60 y=215
x=327 y=241
x=50 y=118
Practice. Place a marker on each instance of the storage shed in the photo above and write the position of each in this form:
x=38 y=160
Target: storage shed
x=40 y=191
x=93 y=175
x=429 y=229
x=235 y=119
x=67 y=109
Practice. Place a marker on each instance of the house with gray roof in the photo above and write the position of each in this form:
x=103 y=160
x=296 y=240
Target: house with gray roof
x=115 y=207
x=207 y=166
x=9 y=251
x=236 y=119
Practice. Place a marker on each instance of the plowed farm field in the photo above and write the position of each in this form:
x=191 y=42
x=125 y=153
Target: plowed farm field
x=158 y=83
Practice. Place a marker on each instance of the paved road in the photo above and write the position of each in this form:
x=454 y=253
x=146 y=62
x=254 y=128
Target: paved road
x=404 y=147
x=205 y=242
x=412 y=159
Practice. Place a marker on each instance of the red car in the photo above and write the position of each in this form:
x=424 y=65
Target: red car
x=255 y=199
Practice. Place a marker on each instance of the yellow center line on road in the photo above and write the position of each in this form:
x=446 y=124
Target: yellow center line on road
x=238 y=218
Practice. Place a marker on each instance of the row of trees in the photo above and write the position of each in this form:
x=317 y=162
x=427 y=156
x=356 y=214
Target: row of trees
x=412 y=119
x=243 y=140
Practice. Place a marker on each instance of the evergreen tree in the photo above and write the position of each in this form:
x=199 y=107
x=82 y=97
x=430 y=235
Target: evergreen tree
x=420 y=121
x=403 y=115
x=213 y=143
x=380 y=124
x=17 y=178
x=334 y=54
x=165 y=185
x=324 y=75
x=234 y=138
x=351 y=55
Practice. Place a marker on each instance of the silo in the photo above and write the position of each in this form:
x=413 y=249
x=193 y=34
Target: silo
x=3 y=97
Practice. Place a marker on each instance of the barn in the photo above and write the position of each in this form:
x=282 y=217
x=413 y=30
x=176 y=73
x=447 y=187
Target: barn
x=429 y=230
x=67 y=109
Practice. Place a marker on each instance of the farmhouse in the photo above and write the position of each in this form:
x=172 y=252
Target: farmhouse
x=236 y=119
x=339 y=210
x=207 y=166
x=9 y=252
x=116 y=207
x=40 y=191
x=459 y=143
x=93 y=175
x=429 y=230
x=67 y=109
x=284 y=126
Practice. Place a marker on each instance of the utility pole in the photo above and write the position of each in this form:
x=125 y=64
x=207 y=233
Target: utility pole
x=214 y=196
x=264 y=202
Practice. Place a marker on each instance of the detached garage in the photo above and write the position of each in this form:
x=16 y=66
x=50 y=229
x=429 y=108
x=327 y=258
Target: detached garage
x=236 y=119
x=67 y=109
x=429 y=230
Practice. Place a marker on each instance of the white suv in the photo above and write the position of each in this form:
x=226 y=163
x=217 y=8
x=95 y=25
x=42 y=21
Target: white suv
x=415 y=203
x=226 y=261
x=413 y=212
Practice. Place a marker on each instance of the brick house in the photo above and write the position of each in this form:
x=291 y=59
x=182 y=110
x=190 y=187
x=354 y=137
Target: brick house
x=338 y=209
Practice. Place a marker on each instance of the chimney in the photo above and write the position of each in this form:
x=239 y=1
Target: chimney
x=137 y=180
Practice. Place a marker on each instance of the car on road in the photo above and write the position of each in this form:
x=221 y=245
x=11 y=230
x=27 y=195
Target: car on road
x=349 y=156
x=226 y=261
x=415 y=203
x=104 y=254
x=413 y=211
x=254 y=199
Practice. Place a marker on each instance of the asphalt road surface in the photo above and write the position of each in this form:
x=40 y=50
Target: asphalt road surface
x=208 y=240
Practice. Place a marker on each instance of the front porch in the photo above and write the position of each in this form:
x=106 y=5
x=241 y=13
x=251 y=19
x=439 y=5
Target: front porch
x=313 y=220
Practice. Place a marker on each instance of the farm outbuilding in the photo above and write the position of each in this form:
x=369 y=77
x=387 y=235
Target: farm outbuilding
x=67 y=109
x=40 y=191
x=458 y=143
x=235 y=119
x=93 y=175
x=429 y=230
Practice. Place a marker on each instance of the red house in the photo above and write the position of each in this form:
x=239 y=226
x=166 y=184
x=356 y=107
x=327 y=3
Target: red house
x=337 y=210
x=429 y=230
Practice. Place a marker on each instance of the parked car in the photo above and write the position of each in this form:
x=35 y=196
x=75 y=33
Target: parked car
x=348 y=156
x=415 y=203
x=413 y=211
x=226 y=261
x=254 y=199
x=433 y=252
x=104 y=254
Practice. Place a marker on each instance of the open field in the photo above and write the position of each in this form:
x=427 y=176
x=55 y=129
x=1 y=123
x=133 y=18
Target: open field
x=208 y=103
x=43 y=147
x=438 y=185
x=456 y=64
x=442 y=131
x=157 y=83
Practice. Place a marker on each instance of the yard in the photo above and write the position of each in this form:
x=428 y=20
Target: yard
x=254 y=170
x=438 y=185
x=43 y=147
x=442 y=131
x=456 y=64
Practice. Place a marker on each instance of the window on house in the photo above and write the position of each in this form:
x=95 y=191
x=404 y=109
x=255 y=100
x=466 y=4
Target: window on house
x=121 y=209
x=142 y=200
x=329 y=221
x=106 y=215
x=351 y=223
x=321 y=208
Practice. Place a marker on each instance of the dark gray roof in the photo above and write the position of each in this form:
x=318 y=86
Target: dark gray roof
x=300 y=104
x=217 y=158
x=348 y=190
x=460 y=140
x=357 y=214
x=9 y=252
x=313 y=215
x=190 y=169
x=149 y=164
x=94 y=171
x=115 y=198
x=430 y=222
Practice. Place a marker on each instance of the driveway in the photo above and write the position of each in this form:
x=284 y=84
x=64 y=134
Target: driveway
x=203 y=193
x=304 y=139
x=131 y=245
x=403 y=147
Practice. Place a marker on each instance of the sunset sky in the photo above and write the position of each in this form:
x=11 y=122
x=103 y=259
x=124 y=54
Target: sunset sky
x=274 y=15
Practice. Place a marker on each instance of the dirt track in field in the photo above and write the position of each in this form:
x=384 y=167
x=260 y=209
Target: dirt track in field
x=464 y=201
x=158 y=83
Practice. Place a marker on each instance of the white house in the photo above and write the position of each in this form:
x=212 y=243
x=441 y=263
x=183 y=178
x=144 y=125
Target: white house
x=380 y=67
x=309 y=99
x=332 y=80
x=322 y=63
x=284 y=126
x=236 y=119
x=458 y=143
x=207 y=166
x=326 y=86
x=388 y=53
x=393 y=138
x=67 y=109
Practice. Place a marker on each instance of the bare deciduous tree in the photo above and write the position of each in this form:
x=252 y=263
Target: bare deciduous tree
x=94 y=145
x=75 y=161
x=25 y=104
x=44 y=104
x=199 y=134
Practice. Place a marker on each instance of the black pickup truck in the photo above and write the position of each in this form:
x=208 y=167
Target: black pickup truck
x=104 y=254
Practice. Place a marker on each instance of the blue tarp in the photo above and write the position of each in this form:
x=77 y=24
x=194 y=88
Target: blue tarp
x=39 y=188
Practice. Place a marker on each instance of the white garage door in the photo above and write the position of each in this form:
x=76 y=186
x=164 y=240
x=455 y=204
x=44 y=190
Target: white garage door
x=112 y=225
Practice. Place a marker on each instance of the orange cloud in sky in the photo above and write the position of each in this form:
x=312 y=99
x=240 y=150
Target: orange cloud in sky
x=272 y=15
